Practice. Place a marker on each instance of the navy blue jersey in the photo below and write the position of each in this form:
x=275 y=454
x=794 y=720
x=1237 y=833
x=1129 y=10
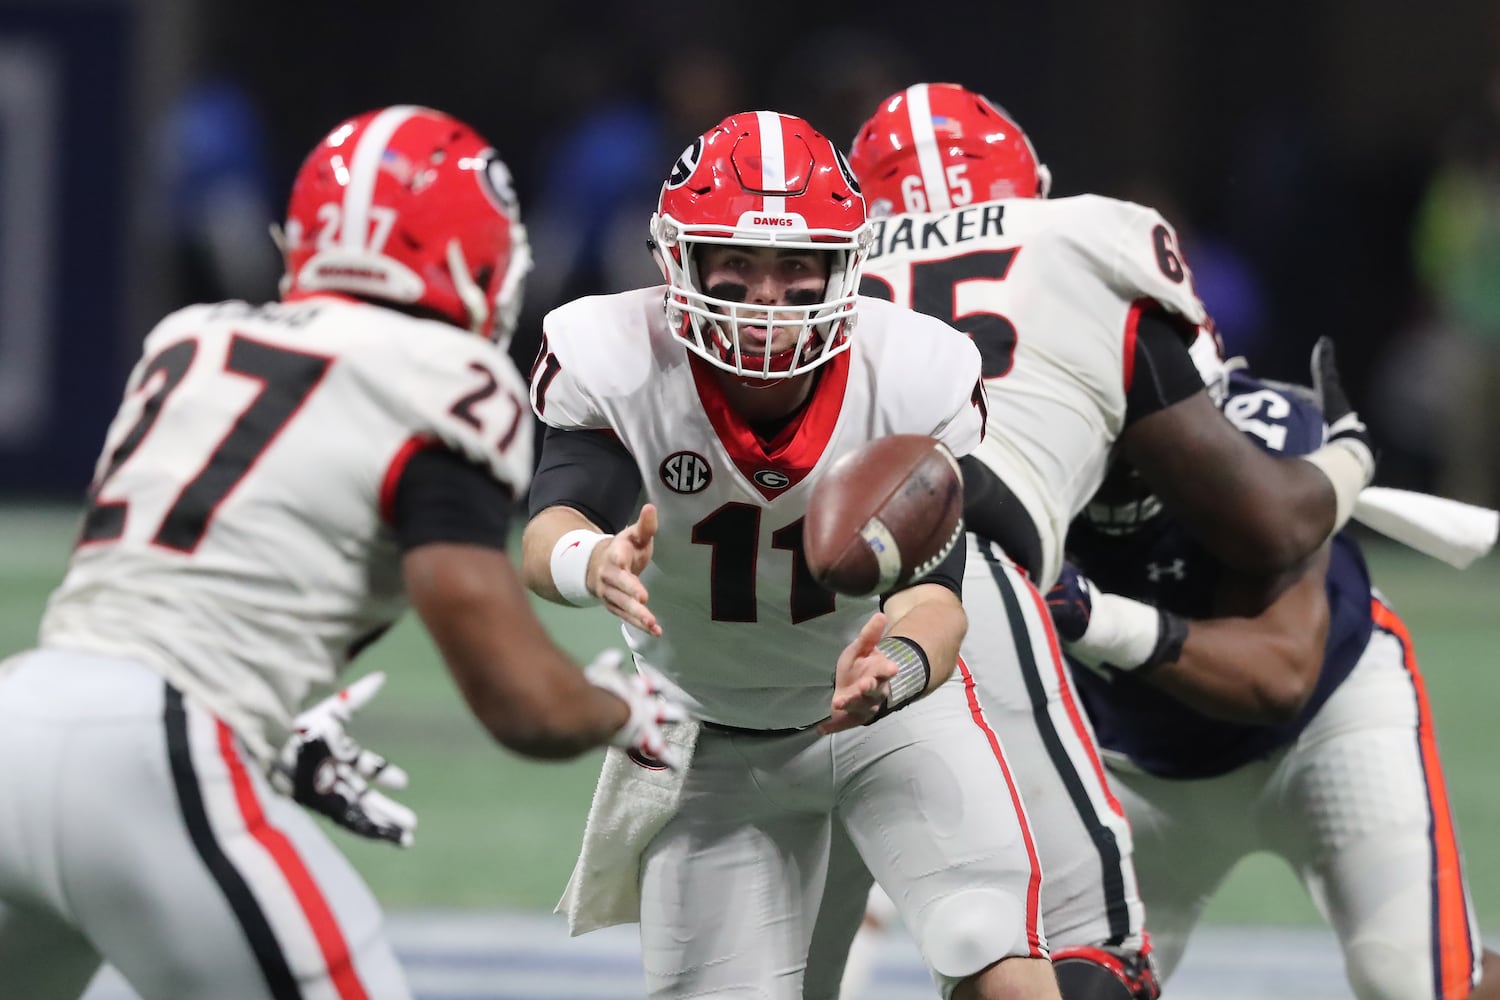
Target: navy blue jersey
x=1162 y=565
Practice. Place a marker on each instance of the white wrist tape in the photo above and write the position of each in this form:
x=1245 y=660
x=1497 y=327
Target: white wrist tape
x=570 y=566
x=1349 y=467
x=1122 y=632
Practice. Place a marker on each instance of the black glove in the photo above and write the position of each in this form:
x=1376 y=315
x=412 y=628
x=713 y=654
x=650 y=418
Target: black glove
x=1344 y=425
x=324 y=769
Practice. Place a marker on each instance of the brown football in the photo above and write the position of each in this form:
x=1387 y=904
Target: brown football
x=884 y=515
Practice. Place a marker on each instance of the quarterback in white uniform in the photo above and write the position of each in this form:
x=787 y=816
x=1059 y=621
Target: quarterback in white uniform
x=1082 y=309
x=721 y=398
x=279 y=482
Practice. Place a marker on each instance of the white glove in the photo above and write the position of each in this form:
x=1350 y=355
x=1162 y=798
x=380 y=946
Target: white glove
x=324 y=769
x=649 y=708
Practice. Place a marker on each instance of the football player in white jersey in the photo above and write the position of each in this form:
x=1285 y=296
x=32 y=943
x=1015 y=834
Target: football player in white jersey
x=280 y=481
x=1082 y=309
x=1295 y=721
x=719 y=399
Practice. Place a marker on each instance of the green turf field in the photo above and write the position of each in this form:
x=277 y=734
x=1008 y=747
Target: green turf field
x=498 y=831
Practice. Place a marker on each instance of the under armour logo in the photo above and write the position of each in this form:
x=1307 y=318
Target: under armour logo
x=1176 y=569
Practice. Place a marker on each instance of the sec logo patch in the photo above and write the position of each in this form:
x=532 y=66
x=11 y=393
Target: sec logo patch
x=686 y=472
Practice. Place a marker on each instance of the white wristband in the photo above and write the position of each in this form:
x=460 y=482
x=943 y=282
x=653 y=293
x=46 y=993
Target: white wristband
x=1349 y=467
x=1122 y=632
x=570 y=566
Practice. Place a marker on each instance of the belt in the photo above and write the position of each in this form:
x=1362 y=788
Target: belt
x=719 y=727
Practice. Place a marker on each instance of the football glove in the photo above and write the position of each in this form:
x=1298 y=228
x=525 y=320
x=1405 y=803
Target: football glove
x=1344 y=425
x=649 y=708
x=323 y=768
x=1071 y=603
x=1109 y=633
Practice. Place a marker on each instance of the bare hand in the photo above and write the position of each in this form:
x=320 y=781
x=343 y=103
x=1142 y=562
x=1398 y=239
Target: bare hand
x=615 y=568
x=862 y=681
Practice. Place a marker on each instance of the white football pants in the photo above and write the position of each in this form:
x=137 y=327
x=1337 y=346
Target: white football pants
x=134 y=829
x=1356 y=805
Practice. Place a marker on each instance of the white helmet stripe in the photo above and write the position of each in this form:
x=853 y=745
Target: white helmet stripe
x=924 y=139
x=772 y=160
x=364 y=167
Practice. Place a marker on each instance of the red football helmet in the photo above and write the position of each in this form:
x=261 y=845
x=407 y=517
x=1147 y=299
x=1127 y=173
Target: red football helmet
x=935 y=146
x=761 y=179
x=411 y=206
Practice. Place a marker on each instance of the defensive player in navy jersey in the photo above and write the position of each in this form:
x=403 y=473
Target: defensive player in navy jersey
x=1291 y=719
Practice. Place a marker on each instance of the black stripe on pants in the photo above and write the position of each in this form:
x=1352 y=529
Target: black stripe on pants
x=1102 y=836
x=252 y=919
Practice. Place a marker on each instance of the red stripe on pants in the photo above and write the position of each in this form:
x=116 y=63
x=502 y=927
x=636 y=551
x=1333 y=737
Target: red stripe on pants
x=315 y=907
x=1034 y=886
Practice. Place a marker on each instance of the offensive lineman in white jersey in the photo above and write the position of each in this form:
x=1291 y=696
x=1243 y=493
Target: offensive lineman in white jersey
x=1082 y=308
x=279 y=482
x=722 y=397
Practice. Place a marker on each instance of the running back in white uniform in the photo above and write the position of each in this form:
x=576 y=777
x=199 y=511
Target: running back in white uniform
x=729 y=551
x=1050 y=290
x=207 y=552
x=234 y=556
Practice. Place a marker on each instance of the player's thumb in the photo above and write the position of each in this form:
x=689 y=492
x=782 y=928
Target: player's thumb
x=872 y=631
x=644 y=529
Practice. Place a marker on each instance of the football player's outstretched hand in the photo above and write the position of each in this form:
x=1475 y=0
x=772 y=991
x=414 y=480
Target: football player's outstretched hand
x=323 y=768
x=1071 y=603
x=649 y=708
x=862 y=680
x=1110 y=633
x=618 y=583
x=1344 y=426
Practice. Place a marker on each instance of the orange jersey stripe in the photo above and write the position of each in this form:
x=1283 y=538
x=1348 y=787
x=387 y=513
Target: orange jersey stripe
x=1453 y=950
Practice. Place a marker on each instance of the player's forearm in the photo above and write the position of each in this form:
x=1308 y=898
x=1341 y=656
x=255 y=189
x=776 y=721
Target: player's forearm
x=538 y=543
x=931 y=616
x=1235 y=669
x=1298 y=509
x=1264 y=516
x=558 y=719
x=522 y=688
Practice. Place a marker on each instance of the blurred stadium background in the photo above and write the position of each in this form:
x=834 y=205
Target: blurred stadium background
x=1333 y=167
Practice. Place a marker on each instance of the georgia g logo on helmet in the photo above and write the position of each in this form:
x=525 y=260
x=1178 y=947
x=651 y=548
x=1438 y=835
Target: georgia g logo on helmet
x=846 y=170
x=686 y=164
x=497 y=184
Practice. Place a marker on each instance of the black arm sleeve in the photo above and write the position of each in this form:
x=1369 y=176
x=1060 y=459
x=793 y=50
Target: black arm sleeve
x=949 y=573
x=992 y=512
x=443 y=497
x=589 y=471
x=1163 y=371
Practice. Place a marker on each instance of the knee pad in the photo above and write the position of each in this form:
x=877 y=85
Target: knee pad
x=963 y=933
x=1086 y=973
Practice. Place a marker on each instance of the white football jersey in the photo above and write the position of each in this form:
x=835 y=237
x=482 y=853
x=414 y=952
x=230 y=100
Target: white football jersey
x=237 y=537
x=1050 y=290
x=748 y=638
